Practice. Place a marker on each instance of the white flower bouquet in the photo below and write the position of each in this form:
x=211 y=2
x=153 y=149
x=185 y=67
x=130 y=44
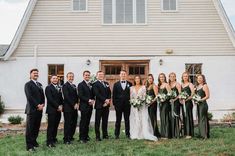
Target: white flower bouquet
x=171 y=94
x=161 y=97
x=149 y=99
x=196 y=98
x=183 y=95
x=137 y=102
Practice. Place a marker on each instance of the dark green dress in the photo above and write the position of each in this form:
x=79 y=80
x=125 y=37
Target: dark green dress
x=202 y=110
x=165 y=110
x=152 y=110
x=175 y=116
x=188 y=118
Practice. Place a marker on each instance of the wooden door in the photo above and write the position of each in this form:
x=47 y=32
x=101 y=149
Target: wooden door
x=112 y=68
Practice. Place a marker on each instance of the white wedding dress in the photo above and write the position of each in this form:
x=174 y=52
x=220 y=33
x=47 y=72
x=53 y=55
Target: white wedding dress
x=140 y=124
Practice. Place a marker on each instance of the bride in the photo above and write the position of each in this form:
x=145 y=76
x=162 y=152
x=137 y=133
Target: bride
x=140 y=124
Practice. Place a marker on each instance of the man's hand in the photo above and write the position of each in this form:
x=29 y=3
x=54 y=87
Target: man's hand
x=76 y=106
x=60 y=108
x=40 y=107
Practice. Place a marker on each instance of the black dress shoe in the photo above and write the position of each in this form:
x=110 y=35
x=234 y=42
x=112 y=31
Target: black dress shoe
x=50 y=145
x=98 y=139
x=55 y=141
x=36 y=145
x=106 y=137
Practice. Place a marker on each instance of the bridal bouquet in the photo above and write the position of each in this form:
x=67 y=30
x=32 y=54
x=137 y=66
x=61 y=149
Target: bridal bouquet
x=171 y=94
x=196 y=98
x=183 y=95
x=137 y=102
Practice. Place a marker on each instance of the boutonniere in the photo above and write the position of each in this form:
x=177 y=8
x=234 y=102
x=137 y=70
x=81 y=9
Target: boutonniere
x=107 y=85
x=128 y=85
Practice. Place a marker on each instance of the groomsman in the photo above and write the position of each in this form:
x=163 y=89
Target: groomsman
x=70 y=108
x=121 y=98
x=34 y=107
x=102 y=94
x=54 y=109
x=86 y=105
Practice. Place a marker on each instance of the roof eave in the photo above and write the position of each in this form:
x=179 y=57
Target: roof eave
x=20 y=30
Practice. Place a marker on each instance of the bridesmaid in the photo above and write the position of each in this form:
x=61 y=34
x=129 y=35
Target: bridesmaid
x=152 y=90
x=188 y=118
x=175 y=117
x=203 y=91
x=164 y=88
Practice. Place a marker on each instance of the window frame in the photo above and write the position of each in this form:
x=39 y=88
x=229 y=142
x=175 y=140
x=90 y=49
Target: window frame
x=71 y=5
x=114 y=15
x=194 y=75
x=170 y=11
x=56 y=65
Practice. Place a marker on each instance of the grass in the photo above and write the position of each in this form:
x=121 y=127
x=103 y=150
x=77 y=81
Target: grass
x=222 y=142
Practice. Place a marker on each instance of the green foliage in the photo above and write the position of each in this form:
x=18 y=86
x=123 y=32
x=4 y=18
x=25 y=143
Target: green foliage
x=220 y=143
x=210 y=116
x=2 y=107
x=15 y=119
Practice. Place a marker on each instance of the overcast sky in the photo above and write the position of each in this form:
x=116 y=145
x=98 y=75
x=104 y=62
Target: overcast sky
x=11 y=12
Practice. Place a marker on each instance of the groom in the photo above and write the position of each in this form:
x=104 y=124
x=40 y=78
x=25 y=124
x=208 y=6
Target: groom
x=121 y=98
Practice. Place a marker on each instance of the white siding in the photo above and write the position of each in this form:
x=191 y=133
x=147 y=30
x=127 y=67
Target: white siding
x=196 y=29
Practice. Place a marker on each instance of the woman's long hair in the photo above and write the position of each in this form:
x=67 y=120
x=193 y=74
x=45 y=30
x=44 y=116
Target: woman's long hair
x=147 y=84
x=139 y=78
x=159 y=82
x=182 y=80
x=203 y=77
x=172 y=73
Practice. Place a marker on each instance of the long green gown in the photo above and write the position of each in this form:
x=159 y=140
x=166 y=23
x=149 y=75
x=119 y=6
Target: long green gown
x=188 y=118
x=165 y=110
x=152 y=110
x=203 y=121
x=175 y=116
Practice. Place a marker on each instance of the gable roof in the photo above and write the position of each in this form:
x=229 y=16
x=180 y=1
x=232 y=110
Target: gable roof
x=3 y=49
x=14 y=44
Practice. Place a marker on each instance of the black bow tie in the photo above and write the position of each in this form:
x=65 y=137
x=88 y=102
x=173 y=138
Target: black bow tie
x=123 y=81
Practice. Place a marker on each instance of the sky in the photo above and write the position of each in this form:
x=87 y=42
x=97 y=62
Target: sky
x=11 y=12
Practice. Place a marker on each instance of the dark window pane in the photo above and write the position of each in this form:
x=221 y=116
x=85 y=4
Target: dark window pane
x=137 y=70
x=131 y=71
x=142 y=71
x=60 y=69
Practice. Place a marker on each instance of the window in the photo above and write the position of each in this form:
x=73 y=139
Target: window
x=169 y=5
x=79 y=5
x=56 y=69
x=124 y=11
x=193 y=70
x=136 y=70
x=112 y=70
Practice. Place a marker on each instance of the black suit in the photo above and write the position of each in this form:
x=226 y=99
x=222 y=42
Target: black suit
x=101 y=92
x=122 y=105
x=35 y=96
x=70 y=114
x=84 y=94
x=54 y=100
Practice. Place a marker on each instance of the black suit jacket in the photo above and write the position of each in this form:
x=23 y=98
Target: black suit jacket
x=70 y=97
x=85 y=93
x=101 y=93
x=121 y=96
x=34 y=95
x=54 y=98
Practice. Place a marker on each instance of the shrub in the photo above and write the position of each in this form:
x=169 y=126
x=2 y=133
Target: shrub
x=15 y=119
x=2 y=107
x=210 y=116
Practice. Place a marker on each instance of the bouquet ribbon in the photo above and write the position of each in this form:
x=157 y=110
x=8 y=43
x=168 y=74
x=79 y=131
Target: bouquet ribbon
x=184 y=107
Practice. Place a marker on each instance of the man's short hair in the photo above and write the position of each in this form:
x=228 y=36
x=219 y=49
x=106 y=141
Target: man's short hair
x=32 y=70
x=86 y=71
x=69 y=73
x=123 y=70
x=100 y=71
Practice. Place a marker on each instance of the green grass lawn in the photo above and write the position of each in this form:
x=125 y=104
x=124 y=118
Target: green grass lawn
x=222 y=142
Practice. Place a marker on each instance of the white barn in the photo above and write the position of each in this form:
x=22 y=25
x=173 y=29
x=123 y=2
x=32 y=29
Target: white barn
x=141 y=36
